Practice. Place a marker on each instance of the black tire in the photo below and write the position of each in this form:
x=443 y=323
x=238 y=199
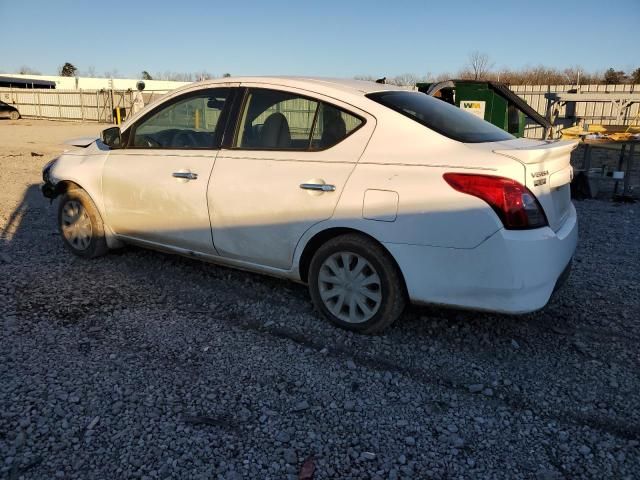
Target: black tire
x=14 y=115
x=391 y=285
x=87 y=242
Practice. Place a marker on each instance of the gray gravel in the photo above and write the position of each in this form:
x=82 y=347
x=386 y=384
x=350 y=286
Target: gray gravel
x=146 y=365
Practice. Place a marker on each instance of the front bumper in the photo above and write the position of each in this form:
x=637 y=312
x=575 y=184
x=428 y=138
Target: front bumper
x=510 y=272
x=48 y=188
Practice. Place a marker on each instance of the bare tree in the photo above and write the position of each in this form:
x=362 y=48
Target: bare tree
x=91 y=72
x=441 y=77
x=203 y=75
x=26 y=70
x=427 y=78
x=146 y=75
x=529 y=75
x=112 y=74
x=405 y=79
x=367 y=78
x=479 y=64
x=174 y=76
x=575 y=75
x=464 y=74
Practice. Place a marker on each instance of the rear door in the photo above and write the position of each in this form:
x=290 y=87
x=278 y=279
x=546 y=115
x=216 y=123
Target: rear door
x=283 y=172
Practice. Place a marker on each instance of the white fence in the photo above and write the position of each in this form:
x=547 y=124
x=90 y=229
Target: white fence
x=576 y=113
x=80 y=105
x=98 y=105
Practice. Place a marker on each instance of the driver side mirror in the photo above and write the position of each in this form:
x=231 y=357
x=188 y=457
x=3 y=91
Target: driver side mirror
x=112 y=137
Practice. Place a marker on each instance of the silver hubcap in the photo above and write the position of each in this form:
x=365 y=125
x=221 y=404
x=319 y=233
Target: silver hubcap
x=350 y=287
x=76 y=225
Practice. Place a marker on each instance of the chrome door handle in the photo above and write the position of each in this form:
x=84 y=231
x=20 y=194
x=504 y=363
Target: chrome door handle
x=321 y=187
x=186 y=175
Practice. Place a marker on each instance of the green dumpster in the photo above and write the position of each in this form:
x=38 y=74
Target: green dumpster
x=491 y=101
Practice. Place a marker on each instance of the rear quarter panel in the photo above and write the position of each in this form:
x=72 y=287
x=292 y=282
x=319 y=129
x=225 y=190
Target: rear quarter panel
x=408 y=158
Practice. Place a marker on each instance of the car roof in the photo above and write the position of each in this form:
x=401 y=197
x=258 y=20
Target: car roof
x=319 y=84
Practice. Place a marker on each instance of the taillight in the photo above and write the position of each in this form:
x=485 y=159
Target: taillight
x=514 y=203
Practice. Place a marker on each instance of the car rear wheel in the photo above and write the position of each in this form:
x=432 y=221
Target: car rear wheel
x=80 y=225
x=14 y=115
x=356 y=284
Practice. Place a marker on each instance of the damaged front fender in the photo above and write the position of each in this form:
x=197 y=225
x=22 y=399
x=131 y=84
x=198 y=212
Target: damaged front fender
x=49 y=189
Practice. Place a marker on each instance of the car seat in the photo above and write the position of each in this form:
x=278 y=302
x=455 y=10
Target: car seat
x=275 y=132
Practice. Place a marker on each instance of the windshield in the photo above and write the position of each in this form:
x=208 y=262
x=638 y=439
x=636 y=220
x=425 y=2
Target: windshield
x=440 y=116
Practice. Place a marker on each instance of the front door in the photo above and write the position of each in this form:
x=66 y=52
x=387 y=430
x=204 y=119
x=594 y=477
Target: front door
x=155 y=189
x=285 y=172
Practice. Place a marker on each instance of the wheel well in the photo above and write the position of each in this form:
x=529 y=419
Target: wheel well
x=64 y=186
x=324 y=236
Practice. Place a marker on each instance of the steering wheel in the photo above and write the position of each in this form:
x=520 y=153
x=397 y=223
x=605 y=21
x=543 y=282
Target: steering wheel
x=150 y=141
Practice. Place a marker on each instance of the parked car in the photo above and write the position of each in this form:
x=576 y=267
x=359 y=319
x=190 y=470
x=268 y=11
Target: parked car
x=372 y=195
x=10 y=111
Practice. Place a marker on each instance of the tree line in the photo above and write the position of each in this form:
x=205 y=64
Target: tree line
x=478 y=67
x=70 y=70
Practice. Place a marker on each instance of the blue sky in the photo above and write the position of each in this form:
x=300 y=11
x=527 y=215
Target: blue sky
x=327 y=38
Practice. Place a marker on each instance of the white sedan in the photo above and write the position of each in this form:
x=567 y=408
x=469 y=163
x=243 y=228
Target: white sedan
x=372 y=195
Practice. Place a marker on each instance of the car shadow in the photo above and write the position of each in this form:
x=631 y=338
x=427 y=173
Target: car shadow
x=31 y=227
x=456 y=347
x=17 y=223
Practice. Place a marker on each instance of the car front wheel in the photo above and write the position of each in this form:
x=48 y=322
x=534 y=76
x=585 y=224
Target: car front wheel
x=356 y=284
x=14 y=115
x=80 y=225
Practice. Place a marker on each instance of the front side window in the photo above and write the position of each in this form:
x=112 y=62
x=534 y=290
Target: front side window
x=190 y=122
x=275 y=120
x=437 y=115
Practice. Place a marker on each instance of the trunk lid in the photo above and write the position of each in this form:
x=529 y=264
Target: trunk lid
x=548 y=173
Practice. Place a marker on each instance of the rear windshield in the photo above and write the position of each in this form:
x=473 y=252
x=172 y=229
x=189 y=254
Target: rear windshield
x=441 y=116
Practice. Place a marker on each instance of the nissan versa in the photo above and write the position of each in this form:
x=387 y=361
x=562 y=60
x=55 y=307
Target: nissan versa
x=372 y=195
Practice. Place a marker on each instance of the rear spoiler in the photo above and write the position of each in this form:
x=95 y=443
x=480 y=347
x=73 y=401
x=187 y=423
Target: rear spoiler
x=539 y=153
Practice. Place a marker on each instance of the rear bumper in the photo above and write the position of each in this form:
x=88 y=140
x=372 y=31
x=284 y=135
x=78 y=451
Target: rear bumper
x=511 y=271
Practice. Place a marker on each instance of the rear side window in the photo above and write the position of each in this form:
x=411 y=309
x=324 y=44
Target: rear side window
x=332 y=126
x=275 y=120
x=441 y=117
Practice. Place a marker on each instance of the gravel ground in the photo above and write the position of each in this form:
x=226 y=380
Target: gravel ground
x=146 y=365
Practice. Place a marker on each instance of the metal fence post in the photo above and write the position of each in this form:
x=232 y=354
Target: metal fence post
x=39 y=105
x=112 y=106
x=82 y=105
x=627 y=175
